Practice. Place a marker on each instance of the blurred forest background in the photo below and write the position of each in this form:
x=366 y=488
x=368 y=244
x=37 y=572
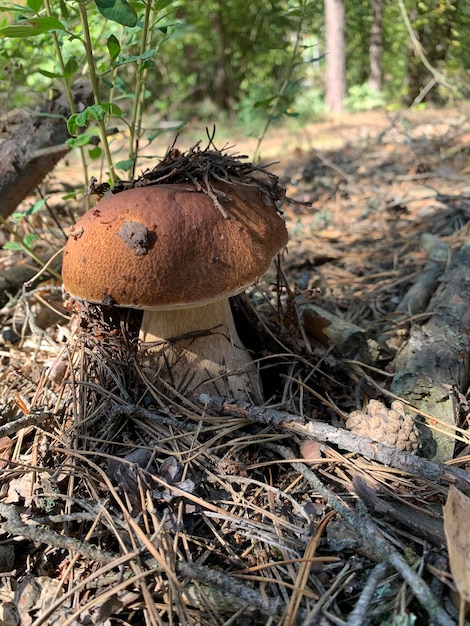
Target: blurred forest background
x=248 y=64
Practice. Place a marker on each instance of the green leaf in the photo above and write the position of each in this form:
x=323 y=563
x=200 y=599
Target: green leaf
x=19 y=215
x=95 y=152
x=72 y=124
x=119 y=11
x=112 y=109
x=149 y=63
x=35 y=5
x=29 y=239
x=125 y=165
x=50 y=74
x=13 y=245
x=93 y=112
x=264 y=103
x=106 y=82
x=32 y=27
x=70 y=195
x=71 y=67
x=82 y=139
x=114 y=47
x=27 y=242
x=64 y=11
x=159 y=5
x=14 y=8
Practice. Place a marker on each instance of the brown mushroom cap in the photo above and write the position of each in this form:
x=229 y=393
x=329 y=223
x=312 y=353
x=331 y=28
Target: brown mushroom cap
x=169 y=246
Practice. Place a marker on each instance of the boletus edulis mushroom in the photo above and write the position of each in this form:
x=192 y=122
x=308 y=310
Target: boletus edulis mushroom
x=179 y=253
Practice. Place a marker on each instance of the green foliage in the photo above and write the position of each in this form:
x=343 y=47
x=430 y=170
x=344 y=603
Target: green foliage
x=178 y=59
x=28 y=240
x=228 y=51
x=93 y=113
x=169 y=56
x=113 y=42
x=118 y=11
x=363 y=98
x=441 y=26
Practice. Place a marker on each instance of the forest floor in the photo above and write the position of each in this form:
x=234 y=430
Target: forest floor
x=121 y=504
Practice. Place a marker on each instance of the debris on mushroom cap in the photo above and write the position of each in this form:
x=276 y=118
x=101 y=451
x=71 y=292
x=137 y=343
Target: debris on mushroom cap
x=393 y=426
x=203 y=168
x=169 y=246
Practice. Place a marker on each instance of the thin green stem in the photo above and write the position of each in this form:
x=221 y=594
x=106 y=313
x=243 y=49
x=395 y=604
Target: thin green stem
x=114 y=74
x=26 y=248
x=68 y=88
x=136 y=117
x=290 y=70
x=95 y=87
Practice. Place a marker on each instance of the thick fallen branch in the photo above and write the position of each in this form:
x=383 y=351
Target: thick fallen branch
x=436 y=359
x=440 y=348
x=344 y=439
x=419 y=294
x=34 y=147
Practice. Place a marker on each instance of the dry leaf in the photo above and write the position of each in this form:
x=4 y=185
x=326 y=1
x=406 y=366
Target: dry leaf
x=6 y=445
x=456 y=515
x=21 y=489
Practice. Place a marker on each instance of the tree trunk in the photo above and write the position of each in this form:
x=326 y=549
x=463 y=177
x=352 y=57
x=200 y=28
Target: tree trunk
x=376 y=47
x=335 y=54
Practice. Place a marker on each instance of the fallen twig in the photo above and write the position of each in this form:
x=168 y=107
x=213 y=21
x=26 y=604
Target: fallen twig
x=344 y=439
x=359 y=615
x=22 y=422
x=13 y=524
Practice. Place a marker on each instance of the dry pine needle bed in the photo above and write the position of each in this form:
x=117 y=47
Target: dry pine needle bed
x=123 y=502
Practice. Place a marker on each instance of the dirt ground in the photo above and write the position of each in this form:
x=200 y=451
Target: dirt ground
x=121 y=504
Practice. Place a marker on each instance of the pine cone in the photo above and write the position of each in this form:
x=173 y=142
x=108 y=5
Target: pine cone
x=393 y=426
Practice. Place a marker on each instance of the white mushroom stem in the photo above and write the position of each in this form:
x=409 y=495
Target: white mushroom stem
x=198 y=350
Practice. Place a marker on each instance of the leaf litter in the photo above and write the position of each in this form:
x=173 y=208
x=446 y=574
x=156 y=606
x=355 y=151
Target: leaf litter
x=123 y=502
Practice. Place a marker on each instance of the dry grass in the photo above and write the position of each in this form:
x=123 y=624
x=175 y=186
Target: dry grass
x=122 y=502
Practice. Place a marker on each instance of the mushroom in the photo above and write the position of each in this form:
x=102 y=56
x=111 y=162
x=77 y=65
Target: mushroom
x=179 y=253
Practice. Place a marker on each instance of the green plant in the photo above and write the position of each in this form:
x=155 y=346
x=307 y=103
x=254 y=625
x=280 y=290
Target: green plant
x=24 y=242
x=363 y=98
x=105 y=41
x=278 y=104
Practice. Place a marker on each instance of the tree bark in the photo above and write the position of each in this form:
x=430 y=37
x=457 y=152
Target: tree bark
x=434 y=366
x=335 y=54
x=376 y=47
x=34 y=147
